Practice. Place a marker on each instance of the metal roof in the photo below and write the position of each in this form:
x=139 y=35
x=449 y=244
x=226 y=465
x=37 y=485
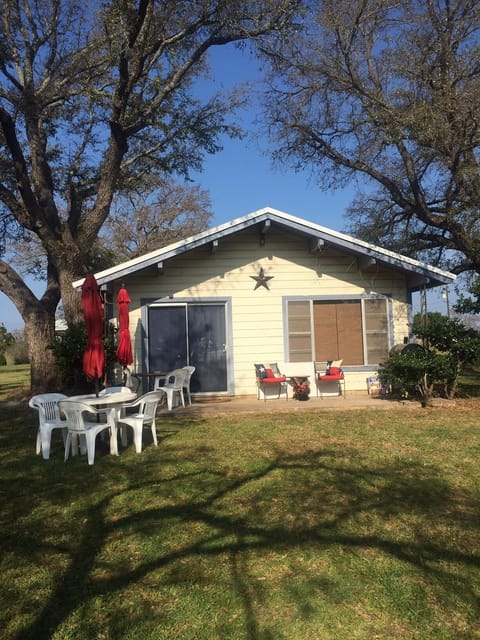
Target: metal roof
x=419 y=274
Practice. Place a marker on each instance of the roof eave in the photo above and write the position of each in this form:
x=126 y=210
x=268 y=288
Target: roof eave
x=419 y=274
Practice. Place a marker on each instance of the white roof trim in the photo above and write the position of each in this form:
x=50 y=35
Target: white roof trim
x=334 y=237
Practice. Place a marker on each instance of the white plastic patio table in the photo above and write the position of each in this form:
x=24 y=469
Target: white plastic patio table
x=113 y=401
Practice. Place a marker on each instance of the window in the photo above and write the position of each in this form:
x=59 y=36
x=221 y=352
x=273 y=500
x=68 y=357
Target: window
x=354 y=330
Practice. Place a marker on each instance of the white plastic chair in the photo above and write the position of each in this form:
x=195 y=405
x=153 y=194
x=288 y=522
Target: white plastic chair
x=145 y=416
x=173 y=387
x=186 y=383
x=49 y=418
x=79 y=424
x=160 y=380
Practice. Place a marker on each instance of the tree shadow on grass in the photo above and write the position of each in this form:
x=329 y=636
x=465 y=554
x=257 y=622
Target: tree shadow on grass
x=194 y=510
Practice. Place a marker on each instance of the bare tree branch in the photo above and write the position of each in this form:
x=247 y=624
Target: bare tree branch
x=390 y=92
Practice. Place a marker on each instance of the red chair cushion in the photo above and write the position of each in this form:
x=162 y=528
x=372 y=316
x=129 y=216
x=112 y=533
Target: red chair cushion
x=272 y=379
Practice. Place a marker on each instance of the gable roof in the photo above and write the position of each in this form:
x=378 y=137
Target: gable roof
x=419 y=274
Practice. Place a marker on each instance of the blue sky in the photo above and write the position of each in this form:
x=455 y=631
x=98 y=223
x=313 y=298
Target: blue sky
x=241 y=179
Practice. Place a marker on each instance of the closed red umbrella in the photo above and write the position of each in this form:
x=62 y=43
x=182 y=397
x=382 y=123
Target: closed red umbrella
x=124 y=349
x=94 y=356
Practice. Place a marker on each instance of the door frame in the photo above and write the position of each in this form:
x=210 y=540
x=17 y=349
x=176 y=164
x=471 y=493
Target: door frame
x=146 y=303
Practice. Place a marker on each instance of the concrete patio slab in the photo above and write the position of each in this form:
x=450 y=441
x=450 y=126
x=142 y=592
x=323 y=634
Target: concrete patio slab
x=250 y=404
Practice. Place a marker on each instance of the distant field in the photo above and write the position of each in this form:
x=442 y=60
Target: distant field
x=13 y=379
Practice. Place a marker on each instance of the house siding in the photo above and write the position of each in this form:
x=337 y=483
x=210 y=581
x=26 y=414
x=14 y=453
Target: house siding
x=258 y=330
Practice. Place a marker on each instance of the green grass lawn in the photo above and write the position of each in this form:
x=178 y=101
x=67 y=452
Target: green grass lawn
x=14 y=380
x=331 y=525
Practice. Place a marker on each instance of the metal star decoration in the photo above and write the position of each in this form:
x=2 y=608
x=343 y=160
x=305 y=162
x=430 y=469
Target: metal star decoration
x=262 y=280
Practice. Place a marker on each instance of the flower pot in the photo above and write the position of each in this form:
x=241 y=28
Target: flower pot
x=301 y=395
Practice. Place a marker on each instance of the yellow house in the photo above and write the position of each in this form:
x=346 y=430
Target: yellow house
x=267 y=287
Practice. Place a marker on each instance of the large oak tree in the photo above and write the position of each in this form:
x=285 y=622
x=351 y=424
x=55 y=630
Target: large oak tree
x=387 y=94
x=91 y=102
x=159 y=212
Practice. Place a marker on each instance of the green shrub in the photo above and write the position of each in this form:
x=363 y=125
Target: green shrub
x=448 y=348
x=6 y=341
x=68 y=350
x=450 y=337
x=417 y=373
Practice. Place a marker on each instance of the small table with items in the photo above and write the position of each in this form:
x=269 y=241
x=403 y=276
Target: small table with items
x=301 y=387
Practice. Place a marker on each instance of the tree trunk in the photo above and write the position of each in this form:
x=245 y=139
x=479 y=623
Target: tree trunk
x=39 y=318
x=451 y=391
x=452 y=388
x=426 y=392
x=71 y=299
x=40 y=336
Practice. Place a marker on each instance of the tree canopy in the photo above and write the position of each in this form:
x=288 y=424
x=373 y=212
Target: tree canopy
x=93 y=98
x=162 y=211
x=137 y=224
x=388 y=93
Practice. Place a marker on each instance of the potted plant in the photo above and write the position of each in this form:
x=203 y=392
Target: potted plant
x=301 y=390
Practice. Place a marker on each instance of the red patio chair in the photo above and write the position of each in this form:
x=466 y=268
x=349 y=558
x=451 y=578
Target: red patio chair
x=333 y=373
x=268 y=379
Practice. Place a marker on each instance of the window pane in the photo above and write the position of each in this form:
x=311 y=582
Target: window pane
x=376 y=330
x=298 y=308
x=300 y=325
x=375 y=315
x=376 y=323
x=207 y=338
x=300 y=348
x=299 y=331
x=338 y=331
x=301 y=356
x=376 y=348
x=325 y=327
x=349 y=326
x=167 y=333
